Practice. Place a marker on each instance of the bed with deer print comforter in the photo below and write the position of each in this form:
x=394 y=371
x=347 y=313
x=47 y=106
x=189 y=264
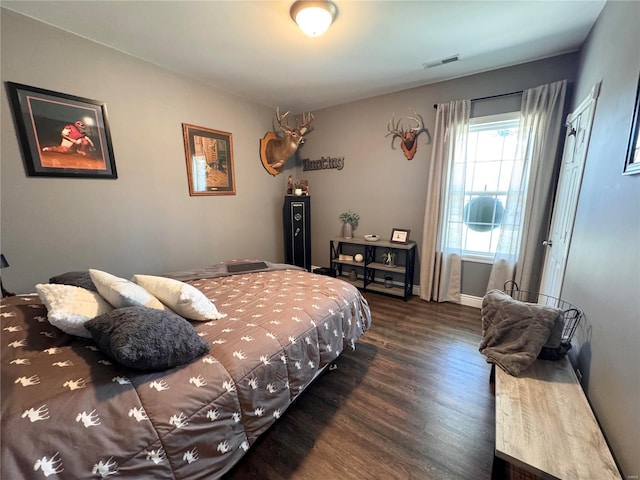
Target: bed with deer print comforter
x=69 y=411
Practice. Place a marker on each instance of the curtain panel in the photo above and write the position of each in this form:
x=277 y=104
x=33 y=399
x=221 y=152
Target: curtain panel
x=527 y=215
x=440 y=271
x=520 y=253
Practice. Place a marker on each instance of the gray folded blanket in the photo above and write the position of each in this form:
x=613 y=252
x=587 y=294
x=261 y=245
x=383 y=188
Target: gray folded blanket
x=222 y=269
x=514 y=332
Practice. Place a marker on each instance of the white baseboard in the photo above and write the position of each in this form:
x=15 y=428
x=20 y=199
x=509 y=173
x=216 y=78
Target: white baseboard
x=470 y=301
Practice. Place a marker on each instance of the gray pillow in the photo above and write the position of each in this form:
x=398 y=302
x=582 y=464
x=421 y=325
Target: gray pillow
x=146 y=339
x=77 y=279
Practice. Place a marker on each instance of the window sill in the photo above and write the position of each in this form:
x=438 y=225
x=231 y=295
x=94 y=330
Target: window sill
x=477 y=259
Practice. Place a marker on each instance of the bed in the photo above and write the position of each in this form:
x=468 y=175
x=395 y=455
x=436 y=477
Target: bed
x=69 y=410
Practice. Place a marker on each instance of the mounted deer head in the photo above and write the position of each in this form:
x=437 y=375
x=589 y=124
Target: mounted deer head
x=408 y=138
x=275 y=149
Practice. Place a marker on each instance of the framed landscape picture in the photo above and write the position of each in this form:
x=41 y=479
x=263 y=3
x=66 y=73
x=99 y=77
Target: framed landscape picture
x=62 y=135
x=209 y=156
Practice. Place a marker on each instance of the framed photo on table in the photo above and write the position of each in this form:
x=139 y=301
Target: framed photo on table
x=62 y=135
x=209 y=156
x=399 y=235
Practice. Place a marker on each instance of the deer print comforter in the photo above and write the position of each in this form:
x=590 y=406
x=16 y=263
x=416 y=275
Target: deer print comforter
x=69 y=412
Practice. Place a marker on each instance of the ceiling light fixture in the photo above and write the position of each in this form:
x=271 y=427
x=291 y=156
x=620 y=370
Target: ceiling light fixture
x=314 y=17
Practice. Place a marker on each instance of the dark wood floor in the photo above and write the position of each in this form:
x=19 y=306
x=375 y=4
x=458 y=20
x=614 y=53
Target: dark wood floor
x=412 y=402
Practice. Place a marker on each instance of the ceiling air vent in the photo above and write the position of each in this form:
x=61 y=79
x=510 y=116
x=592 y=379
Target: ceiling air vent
x=442 y=61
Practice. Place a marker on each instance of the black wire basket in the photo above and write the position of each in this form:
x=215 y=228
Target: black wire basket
x=571 y=316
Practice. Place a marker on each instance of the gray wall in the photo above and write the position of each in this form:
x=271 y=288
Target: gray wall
x=379 y=183
x=603 y=270
x=145 y=221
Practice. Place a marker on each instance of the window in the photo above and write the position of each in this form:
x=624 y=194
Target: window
x=480 y=177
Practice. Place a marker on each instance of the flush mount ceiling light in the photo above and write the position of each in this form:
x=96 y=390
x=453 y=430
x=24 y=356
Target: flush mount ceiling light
x=313 y=17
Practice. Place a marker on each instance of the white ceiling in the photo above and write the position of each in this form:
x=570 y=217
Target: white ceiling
x=254 y=49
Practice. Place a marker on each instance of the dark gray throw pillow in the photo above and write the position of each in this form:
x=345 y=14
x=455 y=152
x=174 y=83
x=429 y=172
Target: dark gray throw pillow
x=77 y=279
x=146 y=339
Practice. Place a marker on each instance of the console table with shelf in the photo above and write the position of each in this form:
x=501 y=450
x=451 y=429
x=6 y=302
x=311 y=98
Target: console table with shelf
x=372 y=273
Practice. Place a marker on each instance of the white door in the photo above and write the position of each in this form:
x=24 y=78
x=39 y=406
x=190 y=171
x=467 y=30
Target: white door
x=564 y=210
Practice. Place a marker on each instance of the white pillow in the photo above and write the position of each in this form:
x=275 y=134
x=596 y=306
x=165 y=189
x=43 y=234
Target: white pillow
x=182 y=298
x=120 y=292
x=69 y=307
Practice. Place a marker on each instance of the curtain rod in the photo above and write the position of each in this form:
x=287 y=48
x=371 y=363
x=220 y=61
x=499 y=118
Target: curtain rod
x=518 y=92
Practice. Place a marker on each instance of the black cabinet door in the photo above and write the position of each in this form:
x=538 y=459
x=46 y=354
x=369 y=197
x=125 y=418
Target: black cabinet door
x=297 y=230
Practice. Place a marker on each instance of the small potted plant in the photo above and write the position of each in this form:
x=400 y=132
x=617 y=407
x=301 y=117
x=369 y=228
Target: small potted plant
x=297 y=188
x=349 y=223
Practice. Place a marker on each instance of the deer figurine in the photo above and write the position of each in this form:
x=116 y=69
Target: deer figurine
x=275 y=150
x=408 y=138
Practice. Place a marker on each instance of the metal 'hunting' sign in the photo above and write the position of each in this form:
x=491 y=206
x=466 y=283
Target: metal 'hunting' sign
x=324 y=163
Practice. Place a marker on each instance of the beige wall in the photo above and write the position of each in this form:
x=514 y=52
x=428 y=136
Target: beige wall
x=603 y=269
x=145 y=221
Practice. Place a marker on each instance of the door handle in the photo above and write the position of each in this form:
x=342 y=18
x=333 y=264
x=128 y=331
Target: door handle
x=548 y=243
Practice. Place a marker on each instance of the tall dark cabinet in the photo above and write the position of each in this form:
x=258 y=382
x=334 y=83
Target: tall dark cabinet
x=297 y=230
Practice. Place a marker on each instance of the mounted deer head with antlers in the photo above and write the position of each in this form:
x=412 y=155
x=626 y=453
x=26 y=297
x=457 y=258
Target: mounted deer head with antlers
x=408 y=137
x=275 y=149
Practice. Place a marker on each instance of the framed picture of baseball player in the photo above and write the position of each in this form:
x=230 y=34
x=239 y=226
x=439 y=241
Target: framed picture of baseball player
x=62 y=135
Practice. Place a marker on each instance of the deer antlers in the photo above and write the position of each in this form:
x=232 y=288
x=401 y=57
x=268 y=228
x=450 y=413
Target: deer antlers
x=301 y=127
x=407 y=137
x=282 y=118
x=276 y=149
